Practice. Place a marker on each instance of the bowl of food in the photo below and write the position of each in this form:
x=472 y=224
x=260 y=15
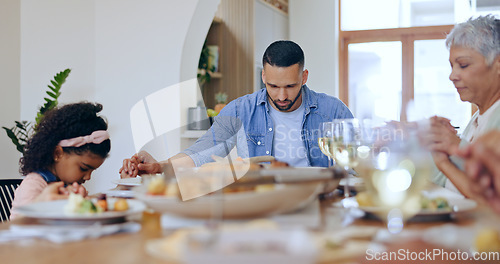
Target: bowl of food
x=237 y=201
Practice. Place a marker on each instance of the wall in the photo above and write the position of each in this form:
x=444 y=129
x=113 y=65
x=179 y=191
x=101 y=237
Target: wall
x=10 y=49
x=55 y=35
x=313 y=25
x=120 y=51
x=270 y=25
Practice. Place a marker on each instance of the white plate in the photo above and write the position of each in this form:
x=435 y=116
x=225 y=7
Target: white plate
x=356 y=183
x=283 y=198
x=458 y=205
x=129 y=181
x=54 y=210
x=120 y=193
x=297 y=174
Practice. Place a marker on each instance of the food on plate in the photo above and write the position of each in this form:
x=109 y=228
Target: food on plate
x=102 y=202
x=157 y=185
x=172 y=189
x=247 y=164
x=248 y=188
x=121 y=204
x=279 y=164
x=265 y=187
x=78 y=204
x=487 y=240
x=438 y=203
x=224 y=165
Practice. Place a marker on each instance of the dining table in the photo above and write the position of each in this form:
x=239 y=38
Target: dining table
x=129 y=247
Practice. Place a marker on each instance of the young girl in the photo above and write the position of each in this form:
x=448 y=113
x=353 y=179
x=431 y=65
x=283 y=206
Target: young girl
x=70 y=143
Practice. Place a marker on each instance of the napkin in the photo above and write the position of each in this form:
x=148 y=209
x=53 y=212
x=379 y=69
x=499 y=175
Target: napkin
x=65 y=233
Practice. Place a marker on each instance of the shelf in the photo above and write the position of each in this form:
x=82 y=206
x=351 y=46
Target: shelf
x=215 y=75
x=278 y=5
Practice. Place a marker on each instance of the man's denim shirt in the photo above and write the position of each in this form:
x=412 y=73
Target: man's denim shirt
x=246 y=123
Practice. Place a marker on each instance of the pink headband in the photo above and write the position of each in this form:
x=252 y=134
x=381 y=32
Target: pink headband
x=96 y=137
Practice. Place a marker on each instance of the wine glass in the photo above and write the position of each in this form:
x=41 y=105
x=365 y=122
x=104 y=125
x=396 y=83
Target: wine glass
x=395 y=172
x=347 y=141
x=324 y=141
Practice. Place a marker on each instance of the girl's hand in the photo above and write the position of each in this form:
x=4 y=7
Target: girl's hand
x=73 y=188
x=140 y=163
x=130 y=167
x=51 y=192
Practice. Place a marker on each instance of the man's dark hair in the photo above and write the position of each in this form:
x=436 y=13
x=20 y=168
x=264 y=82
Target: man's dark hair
x=283 y=53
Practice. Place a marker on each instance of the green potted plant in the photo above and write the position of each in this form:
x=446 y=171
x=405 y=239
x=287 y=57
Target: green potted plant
x=204 y=68
x=23 y=130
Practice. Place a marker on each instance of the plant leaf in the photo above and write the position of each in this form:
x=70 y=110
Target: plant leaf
x=13 y=138
x=51 y=94
x=22 y=131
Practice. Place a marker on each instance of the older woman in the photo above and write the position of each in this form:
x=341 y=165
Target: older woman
x=475 y=71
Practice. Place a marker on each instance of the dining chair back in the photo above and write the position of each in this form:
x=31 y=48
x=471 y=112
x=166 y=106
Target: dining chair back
x=7 y=188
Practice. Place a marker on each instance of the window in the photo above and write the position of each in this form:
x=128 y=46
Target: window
x=393 y=60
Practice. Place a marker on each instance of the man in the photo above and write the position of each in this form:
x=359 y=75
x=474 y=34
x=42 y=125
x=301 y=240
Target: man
x=281 y=120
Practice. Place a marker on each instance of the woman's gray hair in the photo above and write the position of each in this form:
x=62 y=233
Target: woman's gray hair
x=481 y=34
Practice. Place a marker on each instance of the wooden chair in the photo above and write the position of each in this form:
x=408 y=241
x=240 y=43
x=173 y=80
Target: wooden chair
x=7 y=188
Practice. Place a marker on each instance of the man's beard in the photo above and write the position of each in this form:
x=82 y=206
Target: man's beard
x=285 y=108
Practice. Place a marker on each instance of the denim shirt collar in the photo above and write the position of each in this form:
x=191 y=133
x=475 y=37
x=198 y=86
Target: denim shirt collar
x=310 y=101
x=47 y=176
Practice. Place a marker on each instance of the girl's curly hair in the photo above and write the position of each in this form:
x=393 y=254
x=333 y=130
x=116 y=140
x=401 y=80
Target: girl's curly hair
x=68 y=121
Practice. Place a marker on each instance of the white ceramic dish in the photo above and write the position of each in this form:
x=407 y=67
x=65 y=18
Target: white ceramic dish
x=355 y=184
x=458 y=205
x=54 y=211
x=298 y=174
x=129 y=181
x=283 y=198
x=120 y=193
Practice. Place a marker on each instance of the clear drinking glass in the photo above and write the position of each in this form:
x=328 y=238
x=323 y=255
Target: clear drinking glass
x=324 y=141
x=395 y=172
x=347 y=141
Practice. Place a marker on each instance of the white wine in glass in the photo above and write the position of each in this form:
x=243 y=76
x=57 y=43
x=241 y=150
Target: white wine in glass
x=347 y=139
x=395 y=173
x=345 y=154
x=325 y=140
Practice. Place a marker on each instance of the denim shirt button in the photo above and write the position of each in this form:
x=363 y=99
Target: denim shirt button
x=270 y=129
x=258 y=143
x=267 y=152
